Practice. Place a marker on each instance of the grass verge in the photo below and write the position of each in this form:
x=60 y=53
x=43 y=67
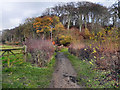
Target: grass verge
x=27 y=76
x=88 y=76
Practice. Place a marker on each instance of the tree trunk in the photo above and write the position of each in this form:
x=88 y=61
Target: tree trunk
x=80 y=22
x=51 y=34
x=88 y=18
x=93 y=18
x=68 y=27
x=114 y=20
x=85 y=21
x=43 y=36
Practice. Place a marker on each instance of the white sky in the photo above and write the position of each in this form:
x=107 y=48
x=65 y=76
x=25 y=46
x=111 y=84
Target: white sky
x=14 y=12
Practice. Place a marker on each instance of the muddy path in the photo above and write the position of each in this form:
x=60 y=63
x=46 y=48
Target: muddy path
x=64 y=75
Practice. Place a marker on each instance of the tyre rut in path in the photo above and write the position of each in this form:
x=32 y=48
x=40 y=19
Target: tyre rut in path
x=64 y=75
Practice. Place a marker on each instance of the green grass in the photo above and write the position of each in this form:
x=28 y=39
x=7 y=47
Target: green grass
x=5 y=46
x=19 y=58
x=8 y=46
x=27 y=76
x=87 y=75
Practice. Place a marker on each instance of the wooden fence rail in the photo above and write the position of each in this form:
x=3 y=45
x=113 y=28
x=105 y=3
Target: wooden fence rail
x=6 y=52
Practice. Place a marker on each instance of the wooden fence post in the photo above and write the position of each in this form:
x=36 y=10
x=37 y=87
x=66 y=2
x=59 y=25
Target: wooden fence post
x=25 y=53
x=8 y=61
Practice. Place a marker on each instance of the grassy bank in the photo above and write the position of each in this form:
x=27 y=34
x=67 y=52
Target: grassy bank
x=88 y=76
x=25 y=75
x=28 y=76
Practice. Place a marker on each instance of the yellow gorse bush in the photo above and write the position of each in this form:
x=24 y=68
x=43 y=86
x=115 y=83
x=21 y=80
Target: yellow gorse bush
x=87 y=33
x=59 y=26
x=64 y=39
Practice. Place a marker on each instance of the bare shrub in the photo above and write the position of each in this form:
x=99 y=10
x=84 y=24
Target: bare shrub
x=40 y=50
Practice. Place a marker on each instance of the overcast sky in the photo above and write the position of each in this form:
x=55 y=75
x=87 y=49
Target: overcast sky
x=14 y=12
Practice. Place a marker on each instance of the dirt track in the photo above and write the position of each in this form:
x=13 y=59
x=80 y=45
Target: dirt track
x=64 y=75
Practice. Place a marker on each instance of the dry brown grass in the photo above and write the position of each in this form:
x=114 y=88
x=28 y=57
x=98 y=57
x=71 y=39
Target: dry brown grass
x=77 y=45
x=108 y=47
